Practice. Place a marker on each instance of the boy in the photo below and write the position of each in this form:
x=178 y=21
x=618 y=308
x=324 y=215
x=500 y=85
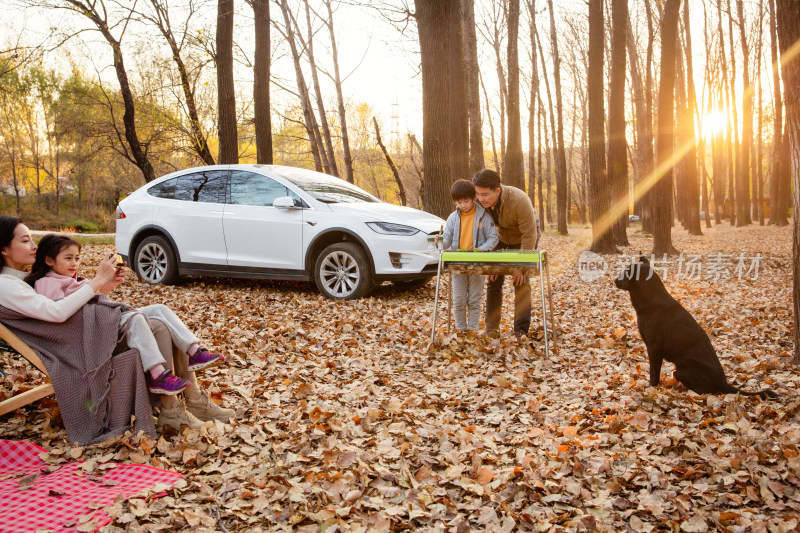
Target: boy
x=469 y=227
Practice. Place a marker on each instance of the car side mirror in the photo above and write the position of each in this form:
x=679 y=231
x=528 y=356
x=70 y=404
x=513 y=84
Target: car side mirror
x=284 y=202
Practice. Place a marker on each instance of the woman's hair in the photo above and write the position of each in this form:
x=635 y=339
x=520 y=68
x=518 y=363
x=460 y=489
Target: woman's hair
x=462 y=190
x=50 y=246
x=7 y=226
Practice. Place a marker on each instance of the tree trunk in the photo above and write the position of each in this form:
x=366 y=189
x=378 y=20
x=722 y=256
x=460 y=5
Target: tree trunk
x=473 y=87
x=743 y=182
x=400 y=188
x=533 y=119
x=514 y=172
x=226 y=95
x=693 y=185
x=599 y=186
x=337 y=80
x=583 y=194
x=617 y=144
x=786 y=171
x=548 y=170
x=198 y=138
x=558 y=141
x=323 y=117
x=662 y=192
x=443 y=89
x=758 y=192
x=457 y=95
x=735 y=176
x=491 y=125
x=704 y=183
x=643 y=165
x=305 y=99
x=778 y=174
x=261 y=68
x=496 y=43
x=540 y=117
x=138 y=152
x=788 y=21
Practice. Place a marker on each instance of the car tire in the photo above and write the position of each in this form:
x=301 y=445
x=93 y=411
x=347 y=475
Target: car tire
x=342 y=272
x=155 y=261
x=411 y=284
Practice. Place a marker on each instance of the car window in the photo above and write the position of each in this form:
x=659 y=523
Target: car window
x=248 y=188
x=165 y=189
x=206 y=187
x=325 y=188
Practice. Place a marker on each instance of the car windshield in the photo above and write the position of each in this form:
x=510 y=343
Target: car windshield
x=325 y=188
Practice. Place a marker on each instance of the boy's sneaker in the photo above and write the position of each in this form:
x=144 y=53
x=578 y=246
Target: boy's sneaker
x=202 y=359
x=168 y=384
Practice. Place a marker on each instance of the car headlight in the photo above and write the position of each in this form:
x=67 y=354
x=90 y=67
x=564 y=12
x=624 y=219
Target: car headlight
x=386 y=228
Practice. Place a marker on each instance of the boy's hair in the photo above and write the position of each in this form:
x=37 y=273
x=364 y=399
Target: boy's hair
x=50 y=246
x=462 y=190
x=486 y=178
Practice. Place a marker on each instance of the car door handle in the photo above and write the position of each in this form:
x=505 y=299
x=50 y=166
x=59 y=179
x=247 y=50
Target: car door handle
x=220 y=213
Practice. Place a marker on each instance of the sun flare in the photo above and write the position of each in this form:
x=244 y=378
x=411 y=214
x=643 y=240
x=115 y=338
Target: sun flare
x=713 y=122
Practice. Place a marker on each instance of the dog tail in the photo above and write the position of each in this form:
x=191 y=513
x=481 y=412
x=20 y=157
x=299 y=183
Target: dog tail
x=765 y=394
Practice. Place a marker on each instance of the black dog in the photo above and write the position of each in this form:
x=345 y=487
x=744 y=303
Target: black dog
x=671 y=333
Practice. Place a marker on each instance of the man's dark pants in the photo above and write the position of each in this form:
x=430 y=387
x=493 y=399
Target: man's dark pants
x=522 y=300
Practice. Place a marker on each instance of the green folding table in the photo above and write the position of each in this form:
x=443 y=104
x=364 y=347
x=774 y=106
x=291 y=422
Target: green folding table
x=504 y=262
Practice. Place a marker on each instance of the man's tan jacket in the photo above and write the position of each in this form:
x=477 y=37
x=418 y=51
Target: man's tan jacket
x=516 y=221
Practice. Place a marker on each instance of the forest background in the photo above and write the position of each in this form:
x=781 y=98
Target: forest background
x=671 y=112
x=353 y=71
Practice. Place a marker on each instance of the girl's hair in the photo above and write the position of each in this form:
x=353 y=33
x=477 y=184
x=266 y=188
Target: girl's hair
x=50 y=246
x=7 y=226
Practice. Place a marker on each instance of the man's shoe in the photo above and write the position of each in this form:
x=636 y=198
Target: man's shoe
x=493 y=333
x=518 y=333
x=177 y=416
x=204 y=409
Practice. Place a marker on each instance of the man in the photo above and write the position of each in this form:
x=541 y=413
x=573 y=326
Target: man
x=515 y=219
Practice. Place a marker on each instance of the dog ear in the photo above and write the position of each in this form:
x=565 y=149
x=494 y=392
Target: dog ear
x=644 y=259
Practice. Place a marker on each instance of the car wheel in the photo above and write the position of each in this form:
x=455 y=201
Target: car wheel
x=412 y=284
x=342 y=272
x=155 y=261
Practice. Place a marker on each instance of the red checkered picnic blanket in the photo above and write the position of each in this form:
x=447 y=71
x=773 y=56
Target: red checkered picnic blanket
x=63 y=496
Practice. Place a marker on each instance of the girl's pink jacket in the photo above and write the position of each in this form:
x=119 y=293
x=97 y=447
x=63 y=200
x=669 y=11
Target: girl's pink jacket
x=55 y=286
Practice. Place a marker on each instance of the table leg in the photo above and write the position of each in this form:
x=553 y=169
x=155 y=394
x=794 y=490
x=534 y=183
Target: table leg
x=449 y=300
x=552 y=313
x=436 y=299
x=544 y=308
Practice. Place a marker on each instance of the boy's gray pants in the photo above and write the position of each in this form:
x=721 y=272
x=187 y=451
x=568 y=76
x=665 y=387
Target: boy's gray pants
x=140 y=336
x=467 y=297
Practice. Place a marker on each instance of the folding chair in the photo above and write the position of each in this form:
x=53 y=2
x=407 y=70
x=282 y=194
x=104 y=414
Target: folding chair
x=15 y=344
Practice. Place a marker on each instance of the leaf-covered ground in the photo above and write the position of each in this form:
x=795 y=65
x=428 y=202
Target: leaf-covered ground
x=348 y=422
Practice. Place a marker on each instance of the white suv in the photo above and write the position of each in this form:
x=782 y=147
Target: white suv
x=267 y=221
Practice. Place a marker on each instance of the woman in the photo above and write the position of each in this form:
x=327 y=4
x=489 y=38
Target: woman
x=97 y=412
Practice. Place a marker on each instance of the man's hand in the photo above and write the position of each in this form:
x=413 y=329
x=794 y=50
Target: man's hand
x=491 y=278
x=519 y=279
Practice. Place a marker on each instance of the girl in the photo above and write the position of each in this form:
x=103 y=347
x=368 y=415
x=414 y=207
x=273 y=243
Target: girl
x=55 y=274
